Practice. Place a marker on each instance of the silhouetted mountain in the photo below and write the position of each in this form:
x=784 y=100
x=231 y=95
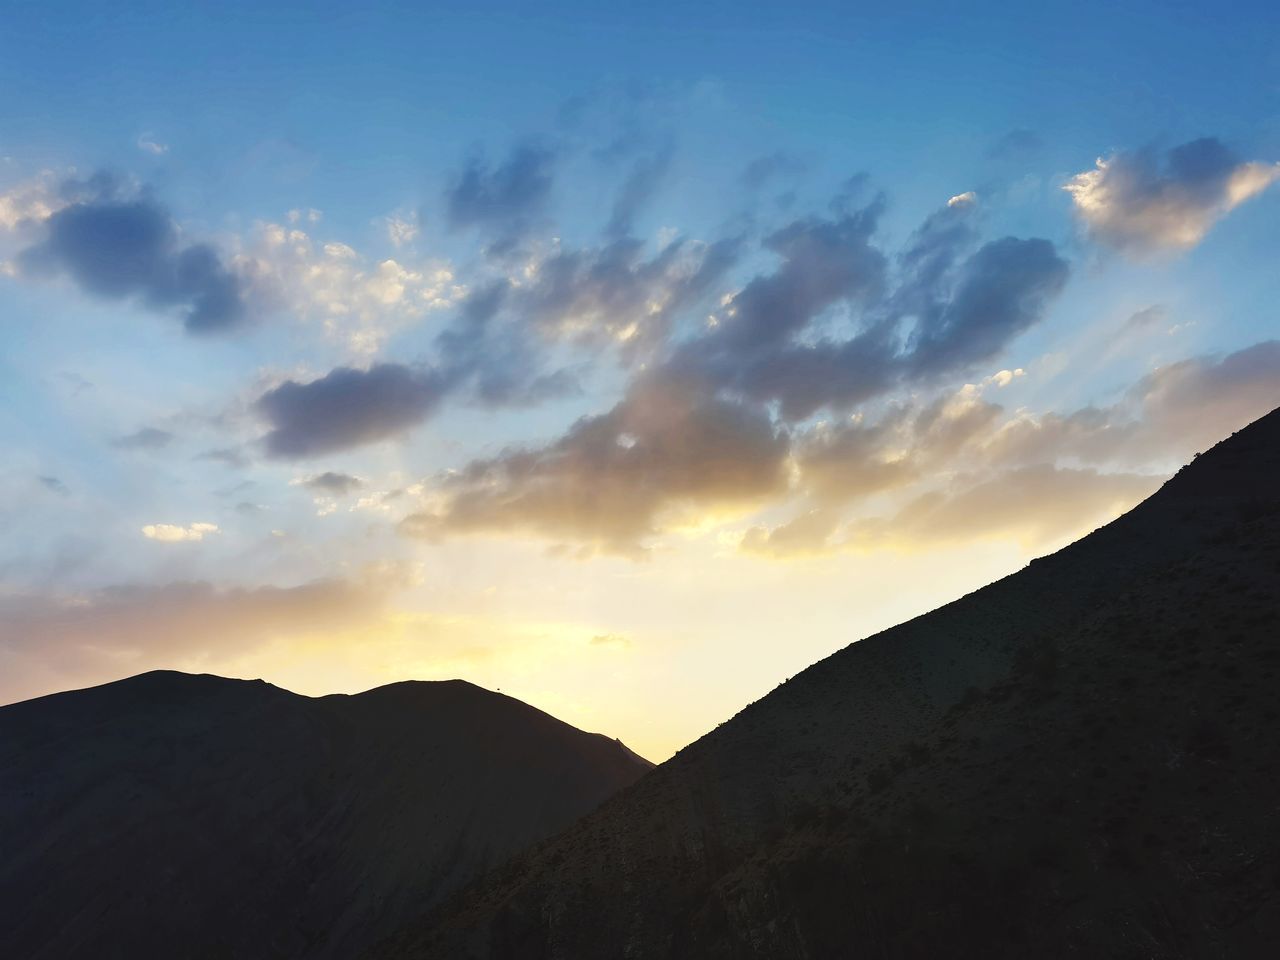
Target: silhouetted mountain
x=1082 y=759
x=171 y=815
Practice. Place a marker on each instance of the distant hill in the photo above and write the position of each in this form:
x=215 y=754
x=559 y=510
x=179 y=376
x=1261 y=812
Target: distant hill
x=171 y=815
x=1080 y=760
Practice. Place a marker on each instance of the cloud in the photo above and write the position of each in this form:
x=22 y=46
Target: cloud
x=1016 y=143
x=171 y=533
x=401 y=230
x=830 y=326
x=148 y=143
x=505 y=200
x=982 y=473
x=30 y=203
x=828 y=329
x=808 y=533
x=772 y=166
x=641 y=183
x=1034 y=505
x=114 y=631
x=230 y=456
x=847 y=461
x=1143 y=202
x=116 y=241
x=54 y=485
x=665 y=451
x=614 y=294
x=1155 y=315
x=1170 y=414
x=611 y=295
x=1003 y=289
x=116 y=247
x=1196 y=402
x=753 y=348
x=347 y=408
x=353 y=298
x=147 y=438
x=610 y=640
x=334 y=484
x=823 y=262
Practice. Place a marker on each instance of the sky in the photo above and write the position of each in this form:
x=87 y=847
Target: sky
x=626 y=358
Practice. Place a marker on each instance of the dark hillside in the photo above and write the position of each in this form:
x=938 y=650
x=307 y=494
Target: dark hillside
x=171 y=815
x=1080 y=760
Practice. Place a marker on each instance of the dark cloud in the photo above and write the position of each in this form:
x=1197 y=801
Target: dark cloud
x=613 y=479
x=1015 y=143
x=147 y=438
x=230 y=456
x=507 y=199
x=930 y=257
x=1003 y=289
x=612 y=295
x=500 y=362
x=804 y=378
x=347 y=408
x=779 y=340
x=116 y=247
x=823 y=262
x=641 y=183
x=1148 y=317
x=1145 y=201
x=54 y=485
x=833 y=325
x=241 y=487
x=763 y=170
x=754 y=350
x=335 y=484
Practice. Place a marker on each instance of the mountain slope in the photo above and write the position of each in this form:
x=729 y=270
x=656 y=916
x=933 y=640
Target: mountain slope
x=1082 y=759
x=193 y=816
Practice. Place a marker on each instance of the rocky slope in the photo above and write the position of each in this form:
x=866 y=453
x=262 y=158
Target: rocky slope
x=171 y=815
x=1080 y=760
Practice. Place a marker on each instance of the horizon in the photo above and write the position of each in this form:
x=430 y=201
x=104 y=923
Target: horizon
x=625 y=362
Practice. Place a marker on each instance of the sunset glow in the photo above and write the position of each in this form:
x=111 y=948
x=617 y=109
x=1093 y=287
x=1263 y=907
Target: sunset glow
x=629 y=383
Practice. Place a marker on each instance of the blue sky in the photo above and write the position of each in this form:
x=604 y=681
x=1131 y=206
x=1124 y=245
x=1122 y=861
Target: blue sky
x=797 y=314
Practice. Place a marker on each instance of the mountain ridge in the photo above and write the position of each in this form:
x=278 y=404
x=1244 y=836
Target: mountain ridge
x=1023 y=769
x=194 y=815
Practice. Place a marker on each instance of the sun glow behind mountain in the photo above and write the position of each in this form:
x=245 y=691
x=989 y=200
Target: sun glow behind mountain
x=604 y=352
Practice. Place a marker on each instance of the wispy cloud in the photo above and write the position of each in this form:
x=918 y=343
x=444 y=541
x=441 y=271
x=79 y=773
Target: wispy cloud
x=174 y=533
x=148 y=143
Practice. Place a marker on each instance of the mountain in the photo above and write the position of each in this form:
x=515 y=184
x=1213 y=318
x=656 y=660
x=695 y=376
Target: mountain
x=172 y=815
x=1079 y=760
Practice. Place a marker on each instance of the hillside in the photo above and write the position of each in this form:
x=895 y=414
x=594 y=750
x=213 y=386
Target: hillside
x=172 y=815
x=1080 y=760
